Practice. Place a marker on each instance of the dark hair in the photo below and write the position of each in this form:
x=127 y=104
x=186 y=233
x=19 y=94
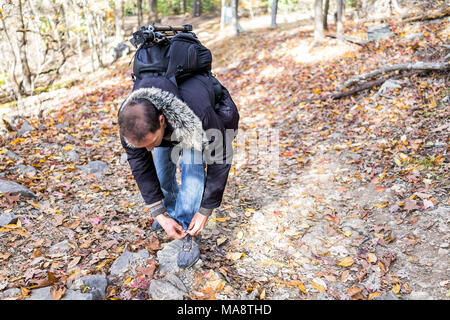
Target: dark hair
x=137 y=118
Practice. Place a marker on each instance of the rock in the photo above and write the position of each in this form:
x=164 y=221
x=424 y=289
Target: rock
x=15 y=188
x=167 y=257
x=380 y=32
x=412 y=36
x=10 y=293
x=7 y=218
x=420 y=295
x=61 y=125
x=388 y=296
x=11 y=155
x=72 y=155
x=94 y=284
x=442 y=252
x=95 y=167
x=26 y=127
x=60 y=247
x=168 y=288
x=127 y=260
x=44 y=294
x=123 y=158
x=27 y=170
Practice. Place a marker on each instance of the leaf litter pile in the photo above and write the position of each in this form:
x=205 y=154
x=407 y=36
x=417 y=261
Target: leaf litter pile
x=355 y=207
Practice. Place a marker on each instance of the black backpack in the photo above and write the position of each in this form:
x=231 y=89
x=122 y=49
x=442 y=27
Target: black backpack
x=178 y=57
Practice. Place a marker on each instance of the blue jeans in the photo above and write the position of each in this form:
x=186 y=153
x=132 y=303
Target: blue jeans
x=181 y=202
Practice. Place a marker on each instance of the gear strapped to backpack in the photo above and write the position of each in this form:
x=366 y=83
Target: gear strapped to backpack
x=176 y=53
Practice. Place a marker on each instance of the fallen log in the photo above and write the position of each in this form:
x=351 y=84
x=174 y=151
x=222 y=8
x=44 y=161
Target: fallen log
x=365 y=86
x=436 y=14
x=434 y=66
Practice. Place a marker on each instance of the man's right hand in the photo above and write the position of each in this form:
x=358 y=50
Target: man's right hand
x=172 y=228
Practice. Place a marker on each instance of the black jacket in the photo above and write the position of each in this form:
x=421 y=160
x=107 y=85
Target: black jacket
x=190 y=110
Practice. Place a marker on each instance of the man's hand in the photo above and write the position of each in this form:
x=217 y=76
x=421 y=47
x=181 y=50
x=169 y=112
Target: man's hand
x=197 y=224
x=172 y=228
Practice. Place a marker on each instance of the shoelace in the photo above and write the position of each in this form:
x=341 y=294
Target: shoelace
x=187 y=244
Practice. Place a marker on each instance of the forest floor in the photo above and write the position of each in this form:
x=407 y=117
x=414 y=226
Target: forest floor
x=353 y=205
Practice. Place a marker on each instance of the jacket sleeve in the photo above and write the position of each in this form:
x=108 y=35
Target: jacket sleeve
x=144 y=173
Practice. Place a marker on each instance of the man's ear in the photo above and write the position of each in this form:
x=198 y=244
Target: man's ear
x=162 y=120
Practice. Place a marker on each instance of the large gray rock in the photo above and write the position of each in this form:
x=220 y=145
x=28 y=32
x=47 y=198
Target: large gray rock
x=380 y=32
x=167 y=257
x=168 y=288
x=127 y=261
x=15 y=188
x=44 y=294
x=7 y=218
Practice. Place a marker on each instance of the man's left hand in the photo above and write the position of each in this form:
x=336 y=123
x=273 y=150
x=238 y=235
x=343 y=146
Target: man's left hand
x=197 y=224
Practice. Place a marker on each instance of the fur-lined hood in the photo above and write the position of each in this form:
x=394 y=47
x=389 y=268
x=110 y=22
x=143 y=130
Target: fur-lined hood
x=188 y=130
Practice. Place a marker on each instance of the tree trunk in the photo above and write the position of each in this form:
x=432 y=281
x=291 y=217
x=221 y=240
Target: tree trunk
x=319 y=34
x=325 y=14
x=118 y=20
x=26 y=82
x=273 y=24
x=339 y=27
x=235 y=7
x=222 y=14
x=152 y=11
x=139 y=13
x=194 y=8
x=12 y=70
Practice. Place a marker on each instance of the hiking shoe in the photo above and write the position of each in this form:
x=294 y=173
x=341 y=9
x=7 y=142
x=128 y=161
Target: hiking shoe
x=156 y=226
x=189 y=252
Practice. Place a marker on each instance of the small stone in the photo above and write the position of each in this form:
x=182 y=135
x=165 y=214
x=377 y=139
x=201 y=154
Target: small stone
x=62 y=246
x=11 y=155
x=442 y=252
x=72 y=155
x=26 y=127
x=123 y=158
x=15 y=188
x=27 y=170
x=10 y=293
x=444 y=245
x=95 y=167
x=94 y=284
x=420 y=295
x=7 y=218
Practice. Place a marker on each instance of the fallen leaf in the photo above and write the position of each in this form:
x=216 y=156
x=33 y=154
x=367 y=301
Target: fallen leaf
x=221 y=240
x=346 y=262
x=234 y=255
x=318 y=287
x=57 y=292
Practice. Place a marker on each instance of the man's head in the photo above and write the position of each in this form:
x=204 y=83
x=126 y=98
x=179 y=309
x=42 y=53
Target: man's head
x=142 y=124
